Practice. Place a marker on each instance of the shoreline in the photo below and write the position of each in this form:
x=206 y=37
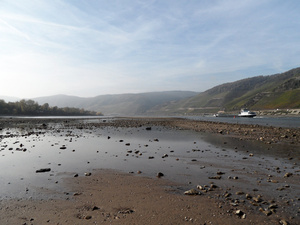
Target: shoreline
x=139 y=204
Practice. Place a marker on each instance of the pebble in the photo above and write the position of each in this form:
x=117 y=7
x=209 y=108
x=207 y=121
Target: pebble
x=192 y=192
x=160 y=174
x=284 y=222
x=43 y=170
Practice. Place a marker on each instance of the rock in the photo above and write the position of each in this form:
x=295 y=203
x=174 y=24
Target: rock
x=87 y=174
x=76 y=194
x=257 y=199
x=63 y=147
x=160 y=174
x=213 y=186
x=76 y=175
x=165 y=155
x=95 y=208
x=220 y=173
x=273 y=206
x=284 y=222
x=148 y=128
x=215 y=177
x=127 y=144
x=202 y=188
x=248 y=196
x=43 y=170
x=227 y=195
x=288 y=175
x=240 y=213
x=192 y=192
x=266 y=212
x=88 y=217
x=239 y=193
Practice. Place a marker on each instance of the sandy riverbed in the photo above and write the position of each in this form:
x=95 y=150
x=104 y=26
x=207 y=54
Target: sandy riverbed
x=253 y=169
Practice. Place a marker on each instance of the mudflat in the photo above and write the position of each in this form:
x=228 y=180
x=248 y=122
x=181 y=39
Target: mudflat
x=147 y=171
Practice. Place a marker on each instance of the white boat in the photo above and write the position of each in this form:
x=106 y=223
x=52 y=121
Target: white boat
x=223 y=114
x=246 y=113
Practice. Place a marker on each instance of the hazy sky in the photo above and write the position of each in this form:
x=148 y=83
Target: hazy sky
x=94 y=47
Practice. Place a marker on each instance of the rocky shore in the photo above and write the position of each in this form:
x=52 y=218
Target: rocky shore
x=249 y=175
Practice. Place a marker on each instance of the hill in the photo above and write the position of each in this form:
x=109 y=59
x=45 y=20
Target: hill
x=257 y=93
x=119 y=104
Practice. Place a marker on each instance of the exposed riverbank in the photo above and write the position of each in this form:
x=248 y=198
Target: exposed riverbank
x=234 y=173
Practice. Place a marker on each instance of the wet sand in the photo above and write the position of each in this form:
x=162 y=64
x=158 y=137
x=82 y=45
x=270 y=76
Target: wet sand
x=248 y=175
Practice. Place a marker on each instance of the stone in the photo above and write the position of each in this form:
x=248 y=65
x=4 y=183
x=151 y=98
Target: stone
x=192 y=192
x=273 y=206
x=248 y=196
x=288 y=175
x=266 y=212
x=284 y=222
x=165 y=155
x=201 y=187
x=160 y=174
x=220 y=173
x=257 y=199
x=87 y=174
x=43 y=170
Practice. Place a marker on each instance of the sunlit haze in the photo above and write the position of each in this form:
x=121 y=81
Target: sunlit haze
x=90 y=48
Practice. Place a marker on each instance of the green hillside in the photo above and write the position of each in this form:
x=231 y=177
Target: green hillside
x=280 y=91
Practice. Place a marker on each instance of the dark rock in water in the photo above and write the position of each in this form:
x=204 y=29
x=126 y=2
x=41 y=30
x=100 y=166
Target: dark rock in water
x=220 y=173
x=148 y=128
x=215 y=177
x=160 y=174
x=43 y=170
x=63 y=147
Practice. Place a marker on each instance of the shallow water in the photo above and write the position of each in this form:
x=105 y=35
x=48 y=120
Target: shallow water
x=190 y=158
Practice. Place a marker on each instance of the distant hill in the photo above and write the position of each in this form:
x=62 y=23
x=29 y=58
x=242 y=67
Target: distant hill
x=262 y=92
x=119 y=104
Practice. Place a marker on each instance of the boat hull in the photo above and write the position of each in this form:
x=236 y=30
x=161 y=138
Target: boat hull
x=247 y=115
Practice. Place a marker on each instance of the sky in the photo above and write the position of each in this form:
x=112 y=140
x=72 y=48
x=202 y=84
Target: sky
x=95 y=47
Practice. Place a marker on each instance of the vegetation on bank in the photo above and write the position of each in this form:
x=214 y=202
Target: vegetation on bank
x=32 y=108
